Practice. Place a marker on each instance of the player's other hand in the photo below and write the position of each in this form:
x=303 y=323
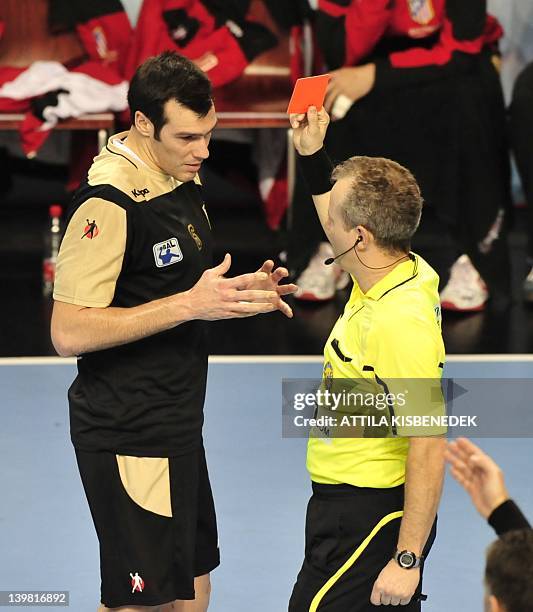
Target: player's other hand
x=216 y=297
x=309 y=130
x=395 y=586
x=479 y=475
x=272 y=283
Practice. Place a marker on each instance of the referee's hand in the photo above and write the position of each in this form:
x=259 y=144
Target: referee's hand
x=309 y=130
x=215 y=297
x=395 y=586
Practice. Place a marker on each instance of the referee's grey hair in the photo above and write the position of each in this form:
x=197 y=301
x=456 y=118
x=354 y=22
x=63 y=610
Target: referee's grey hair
x=384 y=197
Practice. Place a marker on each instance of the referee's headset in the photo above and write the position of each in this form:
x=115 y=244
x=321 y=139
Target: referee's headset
x=331 y=260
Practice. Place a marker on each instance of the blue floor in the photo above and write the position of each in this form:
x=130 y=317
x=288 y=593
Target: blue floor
x=259 y=481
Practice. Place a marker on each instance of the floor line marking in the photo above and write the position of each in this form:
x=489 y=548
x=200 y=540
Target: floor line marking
x=253 y=359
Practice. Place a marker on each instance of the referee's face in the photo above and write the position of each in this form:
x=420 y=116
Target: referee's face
x=339 y=237
x=183 y=141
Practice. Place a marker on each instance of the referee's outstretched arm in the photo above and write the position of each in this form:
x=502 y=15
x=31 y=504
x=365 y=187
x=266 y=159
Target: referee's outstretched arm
x=309 y=131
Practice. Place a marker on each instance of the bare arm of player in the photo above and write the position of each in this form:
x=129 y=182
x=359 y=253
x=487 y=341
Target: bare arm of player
x=480 y=476
x=423 y=488
x=78 y=329
x=309 y=131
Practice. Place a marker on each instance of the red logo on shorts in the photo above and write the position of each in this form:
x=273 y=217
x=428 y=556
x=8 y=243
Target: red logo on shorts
x=137 y=583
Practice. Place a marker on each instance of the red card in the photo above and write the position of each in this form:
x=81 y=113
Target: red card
x=309 y=91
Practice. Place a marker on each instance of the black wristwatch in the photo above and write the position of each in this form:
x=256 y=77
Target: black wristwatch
x=407 y=559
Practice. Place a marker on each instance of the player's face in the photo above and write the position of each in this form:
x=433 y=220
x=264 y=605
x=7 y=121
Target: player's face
x=340 y=238
x=183 y=141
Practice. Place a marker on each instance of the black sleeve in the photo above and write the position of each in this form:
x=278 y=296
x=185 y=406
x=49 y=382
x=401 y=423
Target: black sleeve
x=467 y=18
x=316 y=169
x=507 y=517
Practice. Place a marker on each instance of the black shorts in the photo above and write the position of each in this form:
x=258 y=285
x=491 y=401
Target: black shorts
x=350 y=535
x=156 y=524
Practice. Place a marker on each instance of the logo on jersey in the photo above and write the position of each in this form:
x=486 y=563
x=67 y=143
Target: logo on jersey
x=438 y=314
x=100 y=42
x=422 y=11
x=167 y=253
x=90 y=231
x=137 y=583
x=328 y=375
x=139 y=192
x=195 y=236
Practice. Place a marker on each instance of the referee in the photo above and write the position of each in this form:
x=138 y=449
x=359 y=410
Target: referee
x=134 y=287
x=372 y=517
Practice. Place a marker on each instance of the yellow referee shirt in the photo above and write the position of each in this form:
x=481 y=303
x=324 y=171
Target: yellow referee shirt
x=391 y=333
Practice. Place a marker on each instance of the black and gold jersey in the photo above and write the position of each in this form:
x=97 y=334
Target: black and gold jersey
x=135 y=235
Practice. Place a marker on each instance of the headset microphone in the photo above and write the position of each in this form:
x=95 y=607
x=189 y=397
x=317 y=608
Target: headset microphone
x=331 y=260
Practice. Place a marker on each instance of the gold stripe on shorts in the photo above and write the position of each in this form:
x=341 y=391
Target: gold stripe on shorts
x=147 y=481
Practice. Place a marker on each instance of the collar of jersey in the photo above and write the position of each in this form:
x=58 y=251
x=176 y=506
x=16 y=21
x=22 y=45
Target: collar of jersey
x=401 y=274
x=145 y=167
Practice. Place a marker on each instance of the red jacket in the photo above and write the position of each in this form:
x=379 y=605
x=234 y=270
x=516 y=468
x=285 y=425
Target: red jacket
x=350 y=31
x=103 y=28
x=221 y=47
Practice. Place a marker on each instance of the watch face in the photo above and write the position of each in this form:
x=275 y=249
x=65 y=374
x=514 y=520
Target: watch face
x=406 y=559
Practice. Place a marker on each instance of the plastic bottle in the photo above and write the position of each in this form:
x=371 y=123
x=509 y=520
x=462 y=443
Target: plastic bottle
x=52 y=242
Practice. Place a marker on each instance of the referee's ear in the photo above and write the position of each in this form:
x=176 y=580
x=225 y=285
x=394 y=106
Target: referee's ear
x=143 y=125
x=363 y=237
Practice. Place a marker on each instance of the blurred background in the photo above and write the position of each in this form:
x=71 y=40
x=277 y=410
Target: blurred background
x=257 y=207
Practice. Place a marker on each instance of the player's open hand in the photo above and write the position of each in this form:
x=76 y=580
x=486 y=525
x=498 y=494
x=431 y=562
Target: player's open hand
x=479 y=475
x=272 y=283
x=395 y=586
x=216 y=297
x=309 y=130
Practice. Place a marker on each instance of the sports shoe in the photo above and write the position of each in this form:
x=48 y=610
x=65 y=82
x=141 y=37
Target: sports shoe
x=318 y=282
x=528 y=287
x=466 y=290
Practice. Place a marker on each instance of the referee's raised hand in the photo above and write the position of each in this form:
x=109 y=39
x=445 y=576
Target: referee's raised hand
x=309 y=130
x=216 y=297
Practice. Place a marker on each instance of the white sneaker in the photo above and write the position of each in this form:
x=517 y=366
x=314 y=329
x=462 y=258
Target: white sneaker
x=466 y=291
x=318 y=282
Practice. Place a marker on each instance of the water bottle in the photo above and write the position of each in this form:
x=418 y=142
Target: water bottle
x=52 y=242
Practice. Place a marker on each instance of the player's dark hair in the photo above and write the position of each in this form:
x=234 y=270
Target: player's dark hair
x=164 y=77
x=384 y=197
x=509 y=570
